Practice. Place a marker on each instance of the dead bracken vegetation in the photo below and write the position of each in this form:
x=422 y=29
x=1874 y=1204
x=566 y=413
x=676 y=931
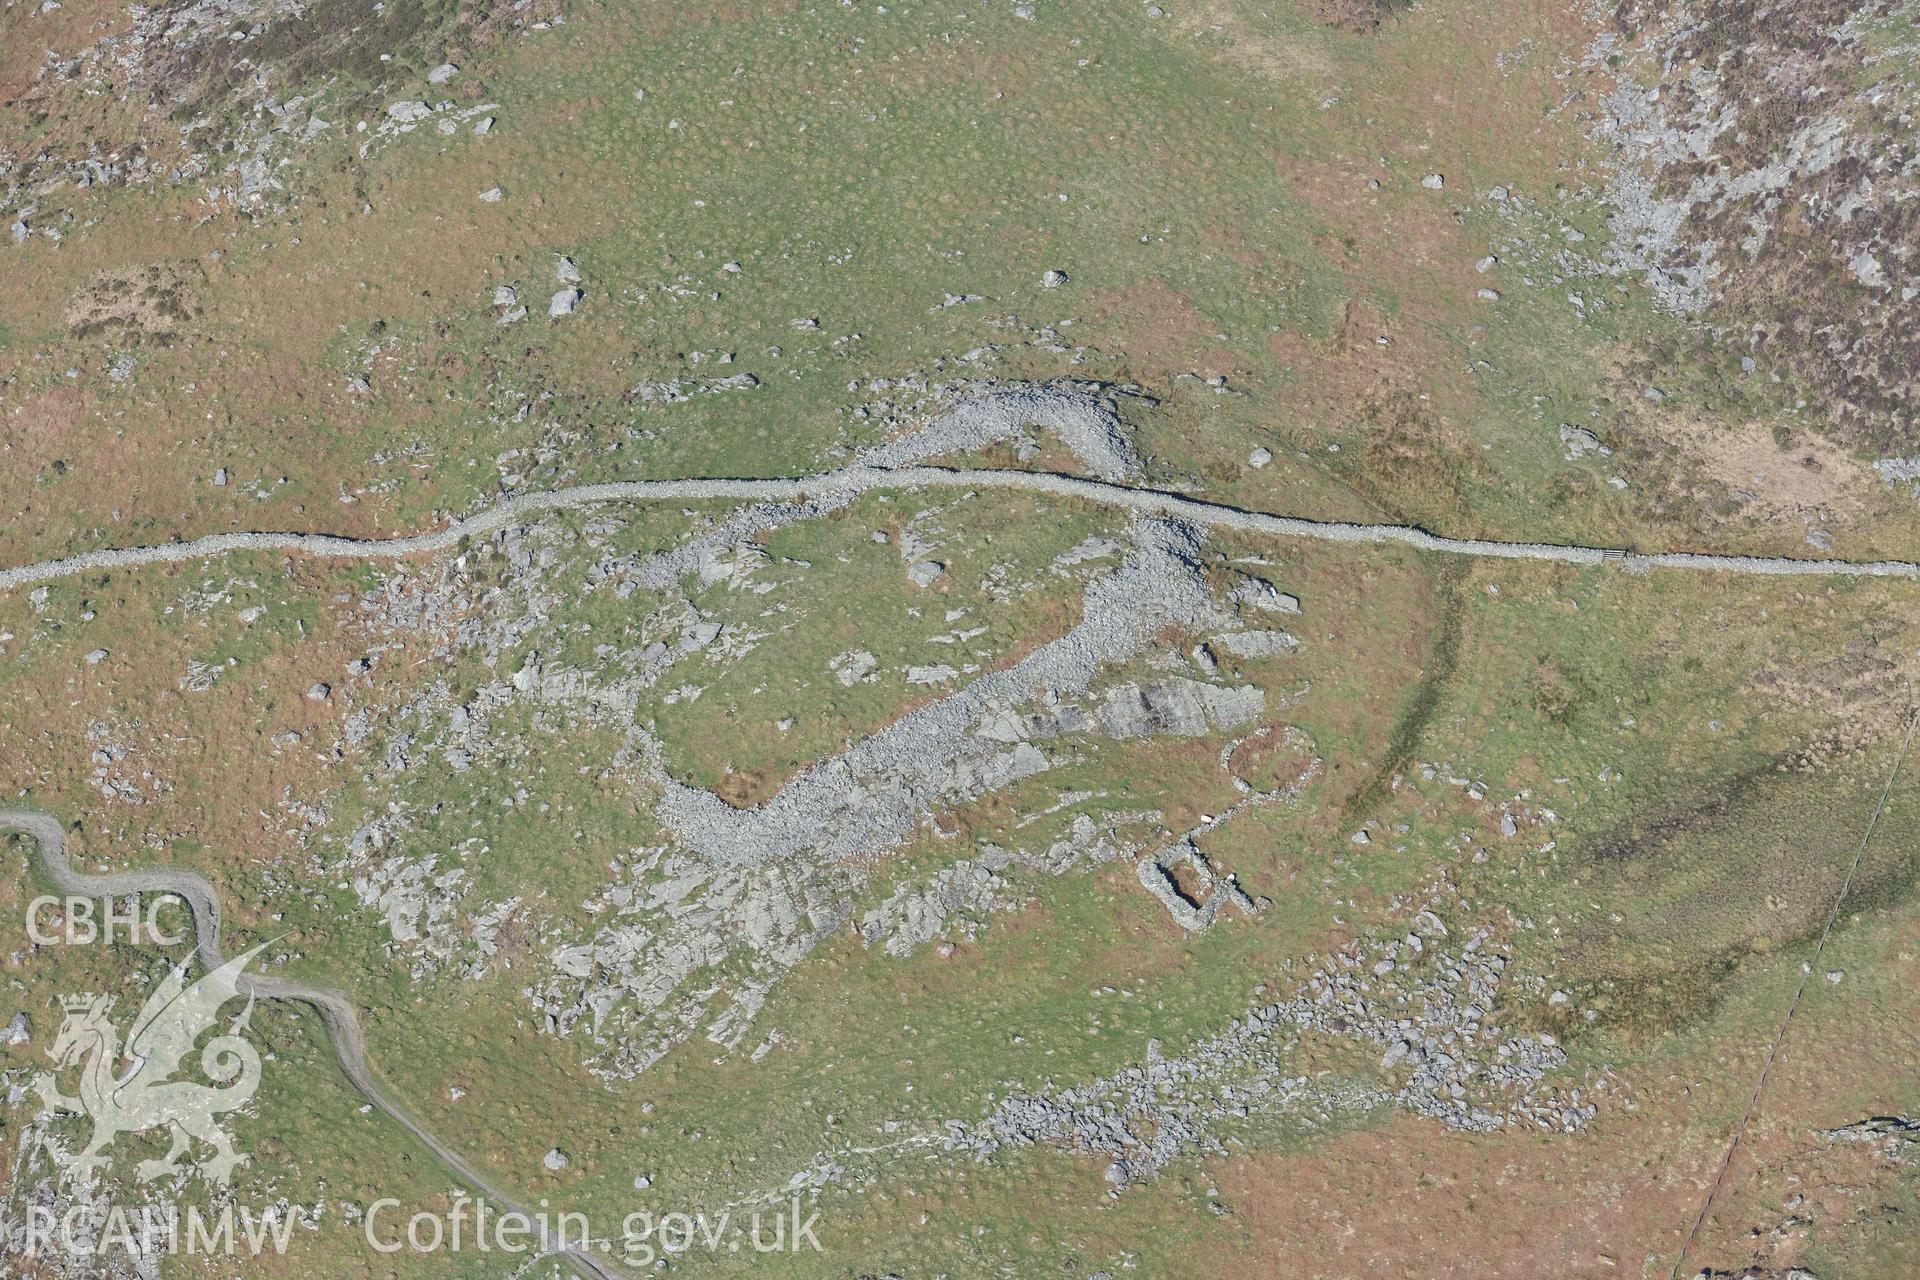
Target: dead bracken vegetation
x=149 y=302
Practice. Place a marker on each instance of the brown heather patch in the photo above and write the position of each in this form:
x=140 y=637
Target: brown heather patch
x=1792 y=290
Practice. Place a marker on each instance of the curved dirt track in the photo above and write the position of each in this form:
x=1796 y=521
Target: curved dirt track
x=343 y=1024
x=862 y=479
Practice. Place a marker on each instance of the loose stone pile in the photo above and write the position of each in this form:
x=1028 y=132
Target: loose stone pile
x=1432 y=1023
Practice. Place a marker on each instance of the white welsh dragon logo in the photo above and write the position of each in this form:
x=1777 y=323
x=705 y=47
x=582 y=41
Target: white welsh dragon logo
x=144 y=1096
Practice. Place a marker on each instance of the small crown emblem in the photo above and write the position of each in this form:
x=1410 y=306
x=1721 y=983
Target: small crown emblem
x=82 y=1003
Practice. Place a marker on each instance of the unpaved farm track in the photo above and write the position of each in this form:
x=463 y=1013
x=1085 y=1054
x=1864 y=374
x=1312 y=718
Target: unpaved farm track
x=343 y=1024
x=862 y=479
